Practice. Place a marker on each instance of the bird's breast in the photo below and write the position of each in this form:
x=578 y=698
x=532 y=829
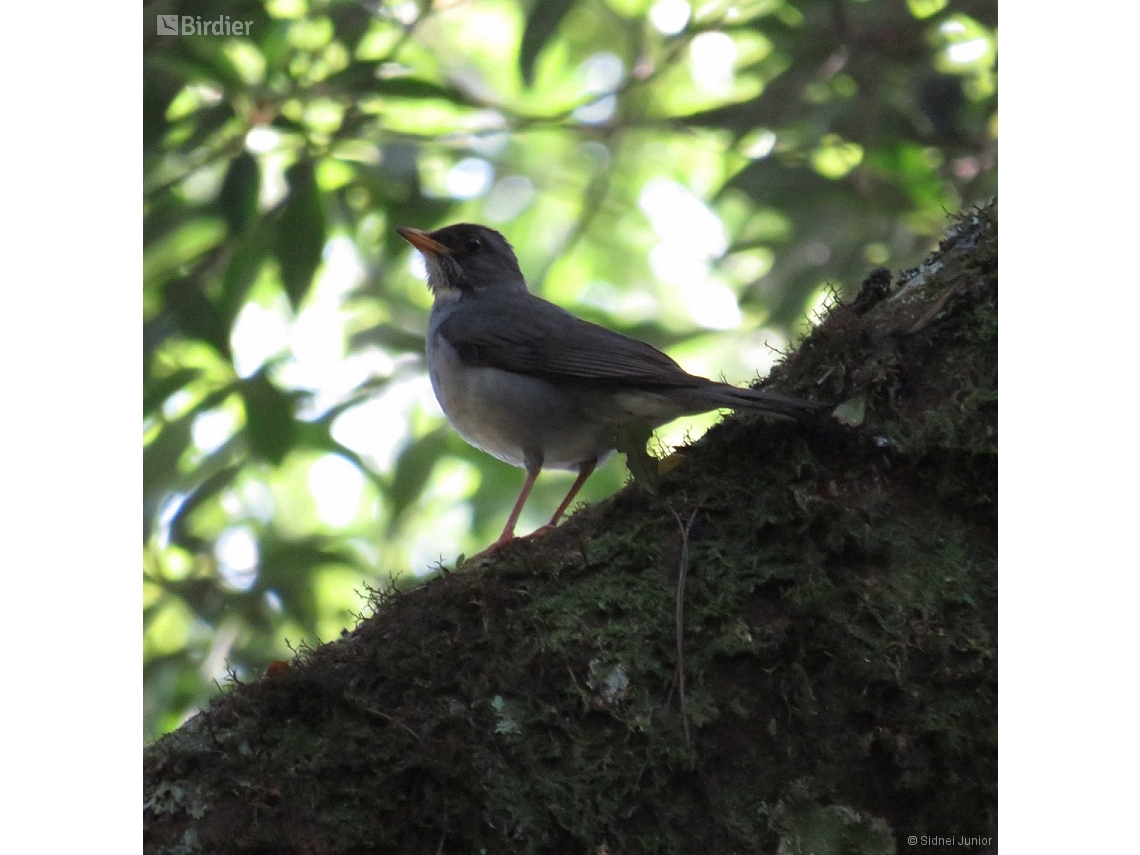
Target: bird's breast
x=522 y=420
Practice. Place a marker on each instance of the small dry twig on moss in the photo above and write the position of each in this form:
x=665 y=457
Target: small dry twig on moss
x=443 y=836
x=682 y=572
x=365 y=707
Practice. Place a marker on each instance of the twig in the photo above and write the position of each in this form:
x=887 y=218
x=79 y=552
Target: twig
x=362 y=705
x=443 y=835
x=682 y=573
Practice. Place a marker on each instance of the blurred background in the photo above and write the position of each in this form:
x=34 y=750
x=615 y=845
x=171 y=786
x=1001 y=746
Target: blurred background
x=699 y=175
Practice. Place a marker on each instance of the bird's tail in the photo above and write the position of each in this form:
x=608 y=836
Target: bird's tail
x=722 y=395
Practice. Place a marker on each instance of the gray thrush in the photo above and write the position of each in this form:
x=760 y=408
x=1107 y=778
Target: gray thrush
x=537 y=387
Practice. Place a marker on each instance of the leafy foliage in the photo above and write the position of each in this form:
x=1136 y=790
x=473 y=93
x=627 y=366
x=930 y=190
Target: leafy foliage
x=694 y=175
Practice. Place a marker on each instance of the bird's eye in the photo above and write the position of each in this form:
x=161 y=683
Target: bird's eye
x=473 y=244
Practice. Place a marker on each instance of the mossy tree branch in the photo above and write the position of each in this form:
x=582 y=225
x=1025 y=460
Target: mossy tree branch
x=840 y=632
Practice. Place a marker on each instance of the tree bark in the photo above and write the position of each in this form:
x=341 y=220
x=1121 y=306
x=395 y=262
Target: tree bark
x=838 y=635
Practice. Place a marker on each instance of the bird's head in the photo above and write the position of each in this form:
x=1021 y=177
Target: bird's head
x=466 y=258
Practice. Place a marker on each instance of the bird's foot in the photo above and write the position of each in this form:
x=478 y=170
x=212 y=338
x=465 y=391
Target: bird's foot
x=494 y=547
x=511 y=538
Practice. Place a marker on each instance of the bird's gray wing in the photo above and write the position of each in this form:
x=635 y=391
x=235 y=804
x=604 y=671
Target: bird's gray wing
x=528 y=335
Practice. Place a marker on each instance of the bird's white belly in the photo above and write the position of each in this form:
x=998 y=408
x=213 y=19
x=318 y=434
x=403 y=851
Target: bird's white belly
x=521 y=420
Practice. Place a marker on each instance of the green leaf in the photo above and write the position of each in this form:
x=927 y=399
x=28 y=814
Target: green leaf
x=196 y=315
x=413 y=470
x=410 y=87
x=351 y=21
x=240 y=189
x=269 y=418
x=907 y=166
x=545 y=16
x=358 y=79
x=852 y=412
x=157 y=389
x=362 y=78
x=209 y=60
x=180 y=245
x=789 y=186
x=300 y=235
x=160 y=468
x=388 y=336
x=180 y=533
x=288 y=566
x=242 y=272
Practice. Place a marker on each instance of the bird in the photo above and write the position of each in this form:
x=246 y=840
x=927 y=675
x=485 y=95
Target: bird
x=537 y=387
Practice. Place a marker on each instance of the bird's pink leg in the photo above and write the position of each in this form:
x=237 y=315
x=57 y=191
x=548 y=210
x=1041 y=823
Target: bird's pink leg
x=509 y=531
x=584 y=472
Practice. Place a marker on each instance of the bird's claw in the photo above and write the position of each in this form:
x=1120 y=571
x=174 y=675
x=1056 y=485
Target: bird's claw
x=504 y=539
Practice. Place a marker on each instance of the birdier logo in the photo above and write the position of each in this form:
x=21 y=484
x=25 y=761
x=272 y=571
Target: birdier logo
x=194 y=25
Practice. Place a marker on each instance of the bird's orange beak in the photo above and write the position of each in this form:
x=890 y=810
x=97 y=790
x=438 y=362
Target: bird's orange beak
x=422 y=241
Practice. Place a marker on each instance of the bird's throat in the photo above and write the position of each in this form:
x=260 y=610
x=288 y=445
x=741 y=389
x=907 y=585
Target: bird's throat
x=443 y=278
